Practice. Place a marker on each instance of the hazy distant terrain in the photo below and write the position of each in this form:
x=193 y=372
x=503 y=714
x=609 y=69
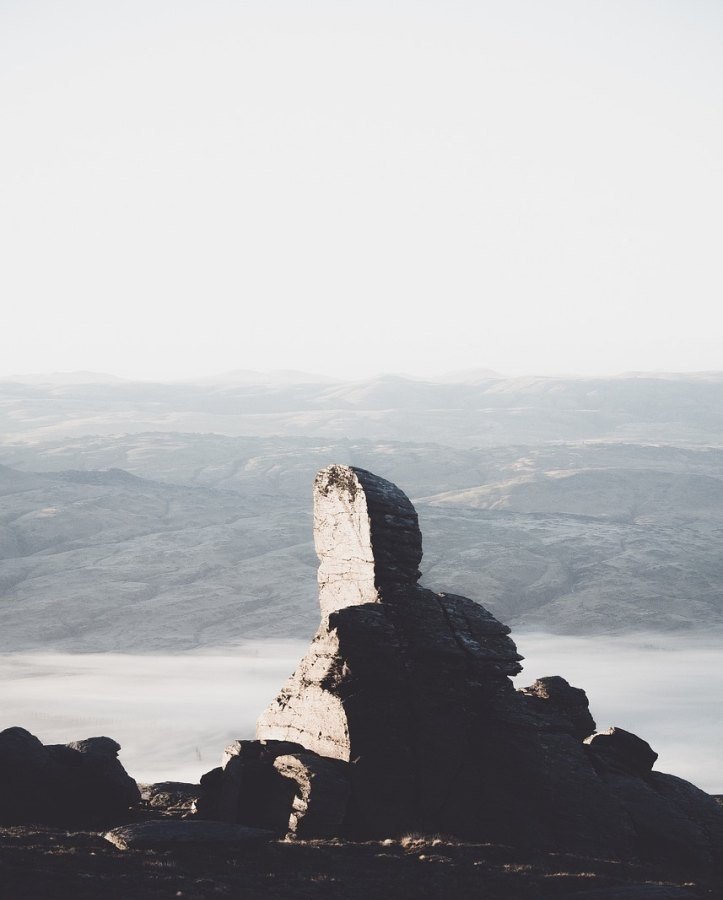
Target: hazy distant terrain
x=153 y=517
x=483 y=410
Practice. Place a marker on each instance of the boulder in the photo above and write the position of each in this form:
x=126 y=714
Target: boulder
x=170 y=796
x=621 y=751
x=321 y=793
x=80 y=783
x=247 y=789
x=565 y=707
x=277 y=786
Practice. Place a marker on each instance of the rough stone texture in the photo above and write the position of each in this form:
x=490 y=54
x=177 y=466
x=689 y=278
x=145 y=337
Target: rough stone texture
x=622 y=751
x=246 y=788
x=166 y=832
x=278 y=786
x=366 y=536
x=171 y=796
x=409 y=691
x=321 y=795
x=566 y=707
x=78 y=783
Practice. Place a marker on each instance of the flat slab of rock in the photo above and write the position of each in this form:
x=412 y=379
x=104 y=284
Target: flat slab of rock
x=636 y=892
x=165 y=832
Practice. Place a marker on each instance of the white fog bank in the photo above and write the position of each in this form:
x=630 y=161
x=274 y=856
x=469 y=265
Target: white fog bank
x=173 y=715
x=667 y=689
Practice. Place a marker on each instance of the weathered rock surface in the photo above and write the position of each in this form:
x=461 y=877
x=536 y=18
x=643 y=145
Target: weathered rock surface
x=366 y=536
x=170 y=796
x=246 y=788
x=407 y=693
x=622 y=751
x=78 y=783
x=321 y=793
x=565 y=707
x=166 y=832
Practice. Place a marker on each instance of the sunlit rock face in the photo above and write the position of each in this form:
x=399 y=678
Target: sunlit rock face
x=397 y=679
x=402 y=717
x=366 y=536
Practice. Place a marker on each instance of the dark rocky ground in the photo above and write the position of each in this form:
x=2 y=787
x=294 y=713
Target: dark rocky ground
x=41 y=863
x=44 y=863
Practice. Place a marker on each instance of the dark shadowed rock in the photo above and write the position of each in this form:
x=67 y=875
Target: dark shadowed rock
x=321 y=793
x=247 y=788
x=168 y=832
x=402 y=717
x=278 y=786
x=170 y=796
x=565 y=706
x=78 y=783
x=99 y=746
x=622 y=751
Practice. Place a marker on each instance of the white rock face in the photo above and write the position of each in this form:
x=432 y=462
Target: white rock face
x=304 y=712
x=343 y=541
x=366 y=535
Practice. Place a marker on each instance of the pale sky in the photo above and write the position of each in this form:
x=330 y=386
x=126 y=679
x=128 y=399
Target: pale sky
x=351 y=187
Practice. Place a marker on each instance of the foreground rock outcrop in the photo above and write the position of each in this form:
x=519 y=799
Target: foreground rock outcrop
x=402 y=717
x=81 y=783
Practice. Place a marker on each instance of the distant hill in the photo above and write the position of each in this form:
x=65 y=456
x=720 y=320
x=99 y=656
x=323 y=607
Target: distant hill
x=171 y=541
x=168 y=516
x=486 y=411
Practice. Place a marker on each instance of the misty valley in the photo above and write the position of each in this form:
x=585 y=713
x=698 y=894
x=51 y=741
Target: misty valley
x=174 y=713
x=161 y=542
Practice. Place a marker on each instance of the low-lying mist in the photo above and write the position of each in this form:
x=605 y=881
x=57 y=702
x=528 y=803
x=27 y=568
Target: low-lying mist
x=667 y=689
x=173 y=714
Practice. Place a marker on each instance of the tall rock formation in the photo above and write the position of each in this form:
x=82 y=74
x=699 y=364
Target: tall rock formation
x=402 y=716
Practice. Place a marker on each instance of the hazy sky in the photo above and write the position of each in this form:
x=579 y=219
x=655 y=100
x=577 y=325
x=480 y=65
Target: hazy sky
x=189 y=186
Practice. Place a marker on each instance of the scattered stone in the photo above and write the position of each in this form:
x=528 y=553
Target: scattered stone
x=167 y=832
x=622 y=751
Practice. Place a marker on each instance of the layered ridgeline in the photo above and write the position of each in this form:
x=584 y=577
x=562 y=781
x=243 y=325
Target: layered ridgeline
x=402 y=717
x=143 y=517
x=209 y=537
x=467 y=410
